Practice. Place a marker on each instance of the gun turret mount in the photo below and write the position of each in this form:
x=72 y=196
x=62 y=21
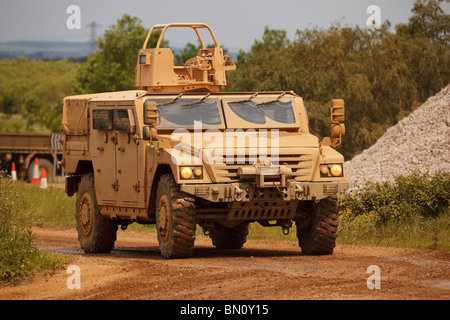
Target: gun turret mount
x=156 y=72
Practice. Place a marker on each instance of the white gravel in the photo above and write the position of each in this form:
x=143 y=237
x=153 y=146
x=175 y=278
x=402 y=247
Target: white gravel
x=420 y=141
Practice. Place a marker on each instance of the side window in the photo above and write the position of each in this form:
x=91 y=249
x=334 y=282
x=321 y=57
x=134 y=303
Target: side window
x=102 y=119
x=124 y=120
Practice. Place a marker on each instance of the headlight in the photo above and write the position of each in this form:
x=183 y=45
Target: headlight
x=186 y=173
x=331 y=170
x=191 y=173
x=336 y=170
x=198 y=172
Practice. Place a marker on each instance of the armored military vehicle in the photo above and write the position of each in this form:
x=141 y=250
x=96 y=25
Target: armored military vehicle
x=179 y=153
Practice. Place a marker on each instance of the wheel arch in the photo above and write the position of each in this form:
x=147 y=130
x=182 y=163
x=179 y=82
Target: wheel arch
x=160 y=171
x=72 y=181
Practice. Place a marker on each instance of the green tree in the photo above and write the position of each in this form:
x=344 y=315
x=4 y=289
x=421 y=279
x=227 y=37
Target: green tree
x=112 y=67
x=54 y=117
x=382 y=76
x=272 y=40
x=8 y=103
x=37 y=86
x=34 y=109
x=428 y=21
x=48 y=116
x=189 y=51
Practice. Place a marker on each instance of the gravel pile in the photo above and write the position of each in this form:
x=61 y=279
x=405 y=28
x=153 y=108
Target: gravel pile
x=420 y=141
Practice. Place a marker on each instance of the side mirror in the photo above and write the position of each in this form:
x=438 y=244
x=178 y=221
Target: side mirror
x=149 y=133
x=337 y=111
x=337 y=117
x=152 y=116
x=337 y=131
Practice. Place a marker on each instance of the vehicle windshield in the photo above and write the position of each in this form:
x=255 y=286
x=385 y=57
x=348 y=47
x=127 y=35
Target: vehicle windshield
x=183 y=112
x=257 y=113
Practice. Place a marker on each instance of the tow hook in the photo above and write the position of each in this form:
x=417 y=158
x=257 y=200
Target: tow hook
x=238 y=193
x=286 y=228
x=299 y=192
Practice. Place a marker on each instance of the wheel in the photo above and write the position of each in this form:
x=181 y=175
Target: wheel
x=319 y=238
x=43 y=163
x=96 y=233
x=175 y=219
x=229 y=238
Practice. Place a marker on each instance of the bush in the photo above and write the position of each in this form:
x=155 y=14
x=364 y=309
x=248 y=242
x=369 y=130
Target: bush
x=418 y=194
x=18 y=255
x=412 y=211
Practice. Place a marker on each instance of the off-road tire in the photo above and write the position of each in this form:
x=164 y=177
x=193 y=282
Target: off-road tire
x=229 y=238
x=319 y=238
x=175 y=219
x=96 y=233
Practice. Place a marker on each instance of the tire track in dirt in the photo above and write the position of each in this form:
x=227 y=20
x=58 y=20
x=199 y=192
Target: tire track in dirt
x=263 y=270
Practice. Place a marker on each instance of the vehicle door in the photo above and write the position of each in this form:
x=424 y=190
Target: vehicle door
x=103 y=153
x=126 y=157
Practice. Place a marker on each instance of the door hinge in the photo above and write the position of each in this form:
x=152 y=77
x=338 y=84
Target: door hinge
x=114 y=138
x=136 y=138
x=137 y=186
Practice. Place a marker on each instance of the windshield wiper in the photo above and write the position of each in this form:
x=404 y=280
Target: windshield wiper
x=196 y=102
x=171 y=101
x=271 y=101
x=245 y=100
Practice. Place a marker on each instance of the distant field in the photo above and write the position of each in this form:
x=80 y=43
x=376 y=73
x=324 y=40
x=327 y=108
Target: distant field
x=44 y=49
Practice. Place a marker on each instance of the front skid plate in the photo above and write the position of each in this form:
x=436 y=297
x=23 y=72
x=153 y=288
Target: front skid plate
x=245 y=192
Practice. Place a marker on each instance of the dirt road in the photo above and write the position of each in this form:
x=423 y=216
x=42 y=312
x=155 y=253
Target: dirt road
x=261 y=270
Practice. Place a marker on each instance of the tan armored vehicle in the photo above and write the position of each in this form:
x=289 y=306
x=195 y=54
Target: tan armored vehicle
x=178 y=152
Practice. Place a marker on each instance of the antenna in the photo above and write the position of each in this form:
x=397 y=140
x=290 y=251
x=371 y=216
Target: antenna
x=93 y=25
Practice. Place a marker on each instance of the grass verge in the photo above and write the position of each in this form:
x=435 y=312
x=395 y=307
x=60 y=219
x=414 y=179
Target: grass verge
x=21 y=206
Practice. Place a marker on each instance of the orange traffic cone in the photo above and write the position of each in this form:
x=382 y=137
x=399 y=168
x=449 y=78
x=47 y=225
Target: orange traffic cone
x=13 y=172
x=36 y=181
x=43 y=179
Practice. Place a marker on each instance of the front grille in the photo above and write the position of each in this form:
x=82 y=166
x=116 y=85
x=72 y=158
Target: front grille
x=202 y=191
x=301 y=165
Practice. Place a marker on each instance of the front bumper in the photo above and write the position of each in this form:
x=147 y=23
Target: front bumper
x=245 y=191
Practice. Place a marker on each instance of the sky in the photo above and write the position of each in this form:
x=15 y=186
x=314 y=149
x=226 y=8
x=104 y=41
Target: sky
x=236 y=23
